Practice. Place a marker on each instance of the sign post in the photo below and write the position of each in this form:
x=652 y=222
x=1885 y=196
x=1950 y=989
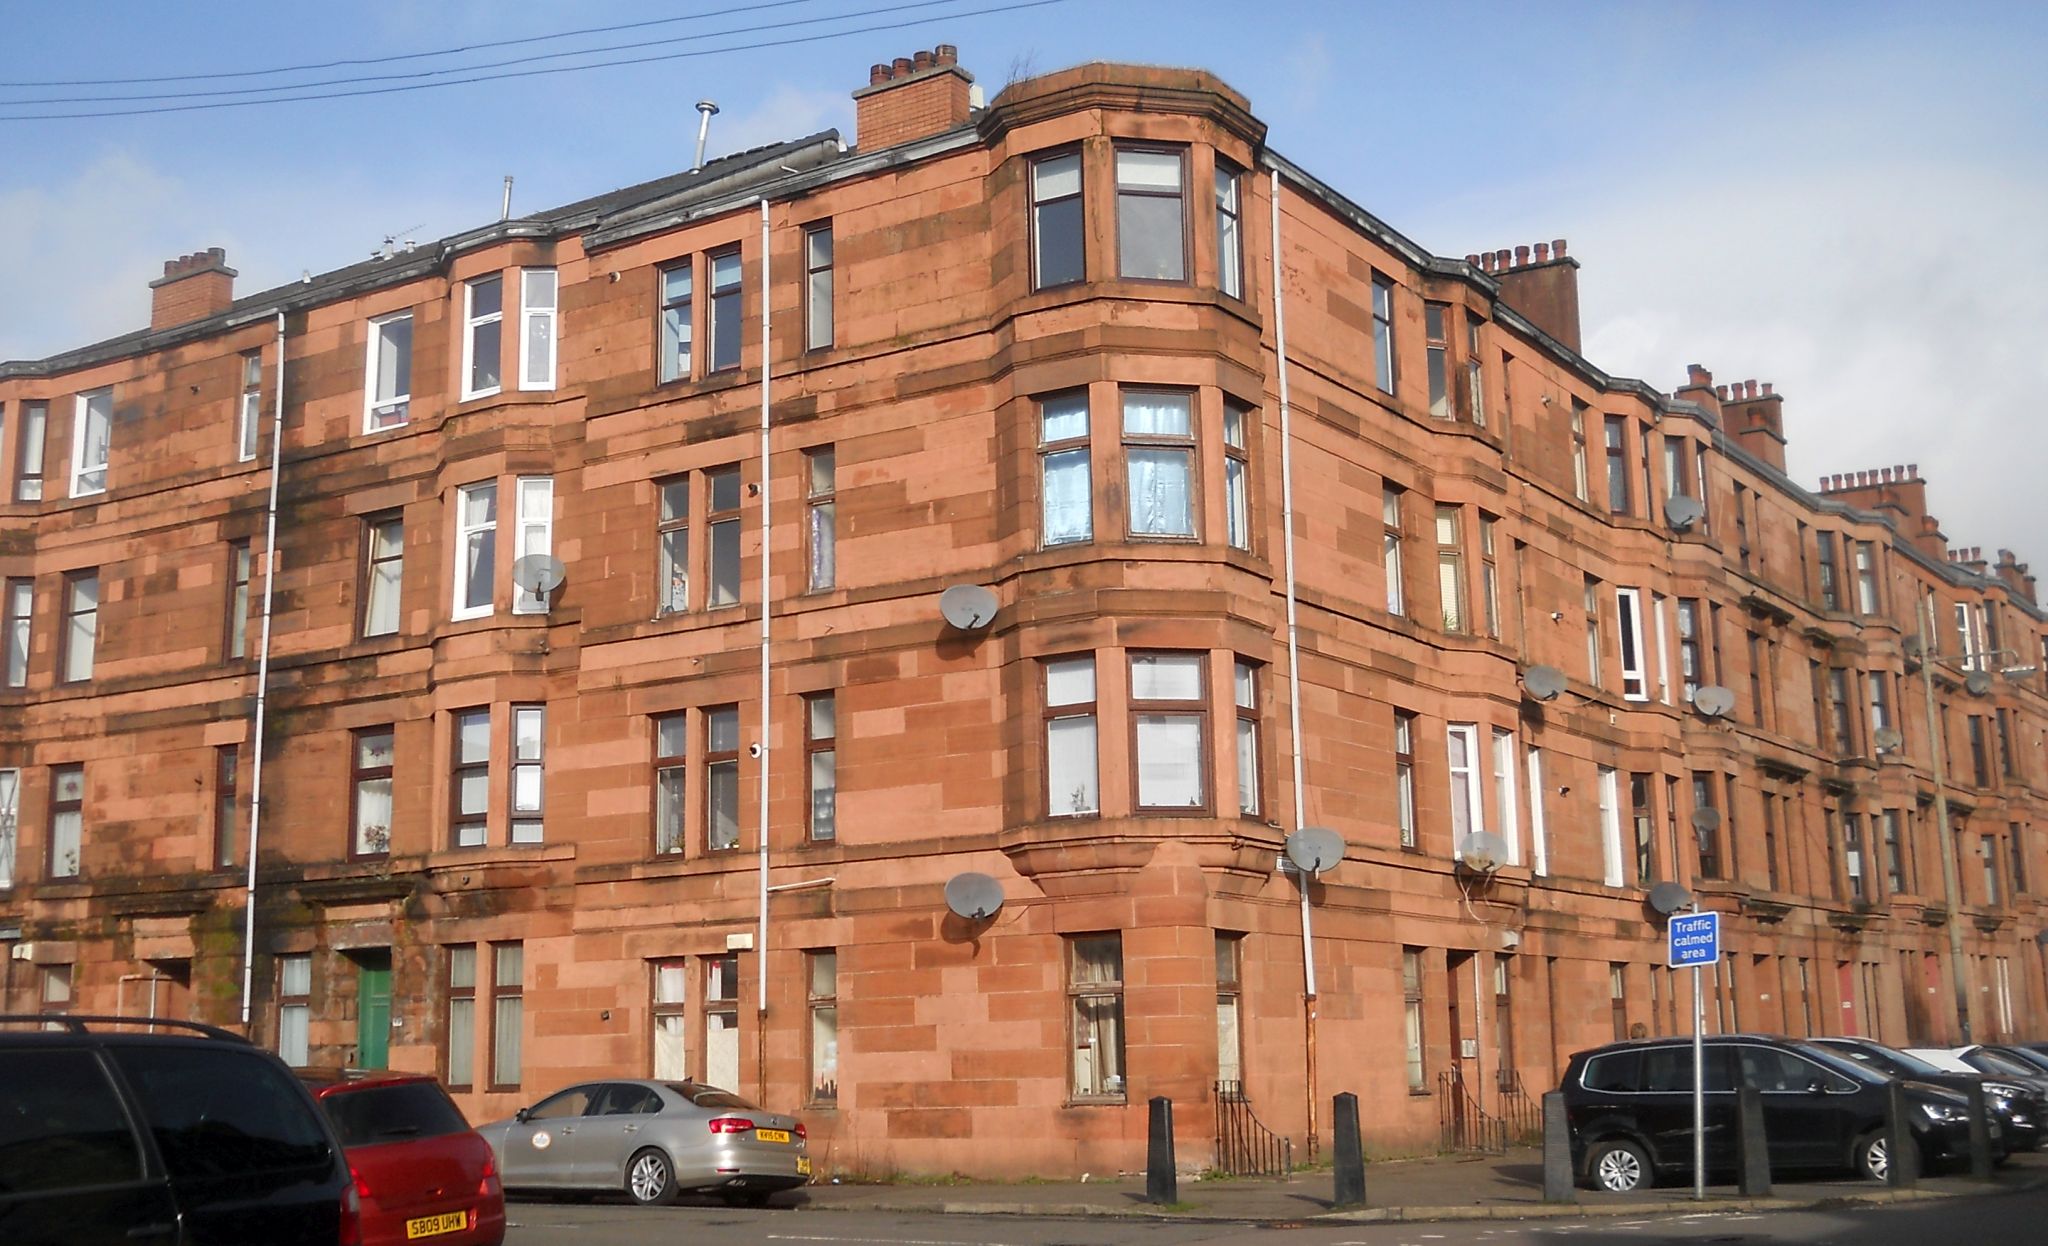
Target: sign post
x=1694 y=941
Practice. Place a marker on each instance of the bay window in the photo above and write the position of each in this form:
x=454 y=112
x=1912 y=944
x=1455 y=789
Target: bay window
x=1151 y=227
x=91 y=441
x=387 y=375
x=1168 y=714
x=1159 y=457
x=1066 y=489
x=1057 y=227
x=483 y=332
x=1070 y=737
x=538 y=292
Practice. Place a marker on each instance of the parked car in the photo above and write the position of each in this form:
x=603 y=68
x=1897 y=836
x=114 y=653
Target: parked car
x=1629 y=1109
x=422 y=1173
x=652 y=1139
x=2016 y=1104
x=184 y=1135
x=2005 y=1063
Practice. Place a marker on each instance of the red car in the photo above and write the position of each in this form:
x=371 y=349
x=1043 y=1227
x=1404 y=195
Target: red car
x=422 y=1173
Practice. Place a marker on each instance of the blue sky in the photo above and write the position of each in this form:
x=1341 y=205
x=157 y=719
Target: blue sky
x=1845 y=199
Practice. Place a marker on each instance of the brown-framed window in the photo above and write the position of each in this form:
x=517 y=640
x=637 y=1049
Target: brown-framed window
x=458 y=1064
x=1411 y=1019
x=1159 y=462
x=1643 y=821
x=1594 y=646
x=241 y=563
x=1489 y=575
x=722 y=519
x=1677 y=468
x=1853 y=861
x=1095 y=999
x=529 y=772
x=1151 y=214
x=678 y=285
x=1690 y=669
x=1617 y=999
x=1617 y=465
x=821 y=752
x=1980 y=761
x=1066 y=491
x=20 y=609
x=67 y=821
x=1071 y=778
x=671 y=1015
x=1894 y=852
x=725 y=308
x=383 y=572
x=1707 y=824
x=508 y=1013
x=671 y=785
x=28 y=467
x=80 y=636
x=470 y=784
x=1830 y=574
x=722 y=1020
x=1229 y=230
x=1867 y=598
x=10 y=823
x=821 y=506
x=1169 y=731
x=1383 y=367
x=1450 y=568
x=54 y=990
x=1230 y=1010
x=1435 y=317
x=822 y=978
x=722 y=777
x=1058 y=247
x=1390 y=549
x=2003 y=719
x=294 y=1008
x=1987 y=853
x=227 y=817
x=1581 y=483
x=1249 y=773
x=1504 y=1020
x=1840 y=714
x=672 y=532
x=372 y=751
x=2016 y=846
x=1237 y=508
x=818 y=286
x=1475 y=372
x=1404 y=777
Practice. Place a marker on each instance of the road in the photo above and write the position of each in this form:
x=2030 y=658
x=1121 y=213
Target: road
x=2011 y=1217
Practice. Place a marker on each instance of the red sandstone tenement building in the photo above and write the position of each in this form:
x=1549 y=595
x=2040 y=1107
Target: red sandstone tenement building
x=517 y=837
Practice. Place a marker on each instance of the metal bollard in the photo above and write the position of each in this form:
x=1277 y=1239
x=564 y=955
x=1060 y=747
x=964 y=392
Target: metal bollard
x=1162 y=1181
x=1980 y=1134
x=1557 y=1152
x=1904 y=1157
x=1755 y=1179
x=1349 y=1153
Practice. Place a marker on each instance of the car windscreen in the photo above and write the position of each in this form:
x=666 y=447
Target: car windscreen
x=2001 y=1063
x=396 y=1113
x=222 y=1111
x=1883 y=1059
x=710 y=1096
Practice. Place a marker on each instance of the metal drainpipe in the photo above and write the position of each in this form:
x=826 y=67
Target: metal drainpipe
x=1308 y=944
x=1944 y=833
x=767 y=535
x=262 y=679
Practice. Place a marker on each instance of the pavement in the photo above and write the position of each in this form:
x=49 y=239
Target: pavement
x=1490 y=1187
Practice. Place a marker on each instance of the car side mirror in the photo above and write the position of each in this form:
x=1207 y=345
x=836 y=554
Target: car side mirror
x=523 y=1115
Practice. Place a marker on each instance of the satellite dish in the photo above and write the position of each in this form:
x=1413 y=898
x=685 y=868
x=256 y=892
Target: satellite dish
x=1712 y=700
x=1910 y=646
x=973 y=896
x=968 y=607
x=1482 y=853
x=1543 y=683
x=1668 y=898
x=538 y=574
x=1706 y=820
x=1314 y=849
x=1682 y=512
x=1978 y=682
x=1886 y=739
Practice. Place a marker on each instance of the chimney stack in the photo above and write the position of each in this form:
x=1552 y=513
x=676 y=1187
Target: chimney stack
x=193 y=287
x=1757 y=420
x=1545 y=287
x=914 y=97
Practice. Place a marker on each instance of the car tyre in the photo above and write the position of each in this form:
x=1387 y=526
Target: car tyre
x=650 y=1178
x=1619 y=1167
x=1873 y=1156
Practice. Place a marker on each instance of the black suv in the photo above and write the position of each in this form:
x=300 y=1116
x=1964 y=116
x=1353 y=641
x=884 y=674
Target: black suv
x=2016 y=1104
x=167 y=1133
x=1629 y=1108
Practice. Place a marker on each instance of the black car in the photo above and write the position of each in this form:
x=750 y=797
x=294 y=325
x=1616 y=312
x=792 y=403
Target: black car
x=1629 y=1108
x=184 y=1135
x=2017 y=1103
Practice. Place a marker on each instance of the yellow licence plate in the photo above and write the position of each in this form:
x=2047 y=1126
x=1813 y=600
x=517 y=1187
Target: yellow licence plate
x=431 y=1226
x=803 y=1167
x=772 y=1135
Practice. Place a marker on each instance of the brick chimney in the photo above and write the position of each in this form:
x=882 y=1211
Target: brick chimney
x=193 y=287
x=2014 y=573
x=1699 y=388
x=1898 y=491
x=913 y=98
x=1544 y=286
x=1757 y=420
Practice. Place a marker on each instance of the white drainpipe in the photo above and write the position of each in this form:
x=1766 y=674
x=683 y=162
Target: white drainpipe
x=767 y=535
x=262 y=680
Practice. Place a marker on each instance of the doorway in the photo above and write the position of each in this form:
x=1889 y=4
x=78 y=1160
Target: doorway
x=373 y=1007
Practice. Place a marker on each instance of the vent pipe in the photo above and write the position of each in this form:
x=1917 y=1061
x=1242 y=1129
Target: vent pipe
x=709 y=110
x=505 y=208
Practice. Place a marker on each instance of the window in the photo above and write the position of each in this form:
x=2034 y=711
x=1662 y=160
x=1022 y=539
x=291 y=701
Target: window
x=673 y=532
x=822 y=508
x=1617 y=465
x=240 y=564
x=1439 y=351
x=1057 y=251
x=1987 y=853
x=1229 y=1011
x=1879 y=683
x=1852 y=853
x=55 y=991
x=818 y=287
x=226 y=813
x=1593 y=645
x=483 y=332
x=294 y=1008
x=823 y=1001
x=723 y=520
x=722 y=1021
x=387 y=378
x=2016 y=844
x=1468 y=817
x=1539 y=840
x=1450 y=568
x=1247 y=695
x=676 y=325
x=1866 y=578
x=529 y=742
x=1772 y=801
x=1151 y=233
x=1070 y=752
x=472 y=778
x=537 y=332
x=1229 y=232
x=10 y=824
x=1411 y=1018
x=1505 y=794
x=373 y=751
x=536 y=535
x=1159 y=457
x=1980 y=762
x=67 y=820
x=1610 y=826
x=383 y=573
x=20 y=611
x=1390 y=548
x=671 y=731
x=476 y=548
x=725 y=310
x=81 y=624
x=1489 y=576
x=460 y=1068
x=671 y=1019
x=2005 y=754
x=1677 y=468
x=1706 y=824
x=1657 y=616
x=1628 y=612
x=821 y=746
x=722 y=777
x=1236 y=470
x=1067 y=495
x=1475 y=374
x=1383 y=333
x=35 y=423
x=1689 y=666
x=1830 y=576
x=249 y=411
x=1643 y=824
x=1095 y=994
x=508 y=1011
x=1894 y=852
x=1167 y=713
x=1404 y=776
x=1972 y=644
x=1580 y=487
x=92 y=433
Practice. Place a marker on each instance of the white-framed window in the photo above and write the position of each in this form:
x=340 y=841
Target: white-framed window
x=1229 y=232
x=20 y=604
x=383 y=572
x=677 y=286
x=483 y=336
x=1404 y=777
x=476 y=548
x=1657 y=624
x=294 y=1008
x=28 y=467
x=1247 y=697
x=1506 y=794
x=1610 y=827
x=1970 y=630
x=1866 y=577
x=1539 y=838
x=536 y=534
x=10 y=824
x=1468 y=810
x=529 y=742
x=92 y=434
x=1628 y=613
x=818 y=286
x=1067 y=496
x=538 y=292
x=387 y=372
x=1390 y=549
x=1168 y=717
x=1237 y=508
x=249 y=411
x=1070 y=738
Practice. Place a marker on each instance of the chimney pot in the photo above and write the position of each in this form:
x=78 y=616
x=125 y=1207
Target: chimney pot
x=1521 y=256
x=947 y=54
x=1721 y=392
x=1542 y=253
x=877 y=74
x=903 y=65
x=1749 y=389
x=1914 y=470
x=1767 y=389
x=1557 y=247
x=922 y=60
x=1696 y=375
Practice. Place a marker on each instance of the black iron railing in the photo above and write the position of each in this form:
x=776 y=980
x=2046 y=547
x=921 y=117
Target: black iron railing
x=1244 y=1146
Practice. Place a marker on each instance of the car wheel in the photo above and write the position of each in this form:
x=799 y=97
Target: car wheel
x=1619 y=1167
x=649 y=1178
x=1873 y=1155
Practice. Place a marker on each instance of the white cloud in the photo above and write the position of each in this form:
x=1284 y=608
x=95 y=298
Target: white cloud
x=788 y=112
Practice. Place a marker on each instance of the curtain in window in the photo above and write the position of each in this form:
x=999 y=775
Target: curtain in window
x=10 y=804
x=373 y=815
x=722 y=1049
x=1068 y=496
x=824 y=794
x=1070 y=765
x=668 y=810
x=1247 y=766
x=1099 y=1045
x=825 y=1053
x=824 y=555
x=461 y=1041
x=1161 y=504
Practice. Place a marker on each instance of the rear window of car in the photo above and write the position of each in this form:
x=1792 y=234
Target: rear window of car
x=61 y=1124
x=1615 y=1071
x=710 y=1096
x=222 y=1111
x=398 y=1113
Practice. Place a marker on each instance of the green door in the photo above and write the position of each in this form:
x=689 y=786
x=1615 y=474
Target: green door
x=373 y=1009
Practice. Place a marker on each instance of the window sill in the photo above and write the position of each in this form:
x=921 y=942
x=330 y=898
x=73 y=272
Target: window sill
x=1104 y=1101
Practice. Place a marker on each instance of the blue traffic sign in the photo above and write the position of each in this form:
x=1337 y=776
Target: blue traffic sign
x=1695 y=939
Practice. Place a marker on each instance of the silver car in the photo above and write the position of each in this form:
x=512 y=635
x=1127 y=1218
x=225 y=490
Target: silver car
x=652 y=1139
